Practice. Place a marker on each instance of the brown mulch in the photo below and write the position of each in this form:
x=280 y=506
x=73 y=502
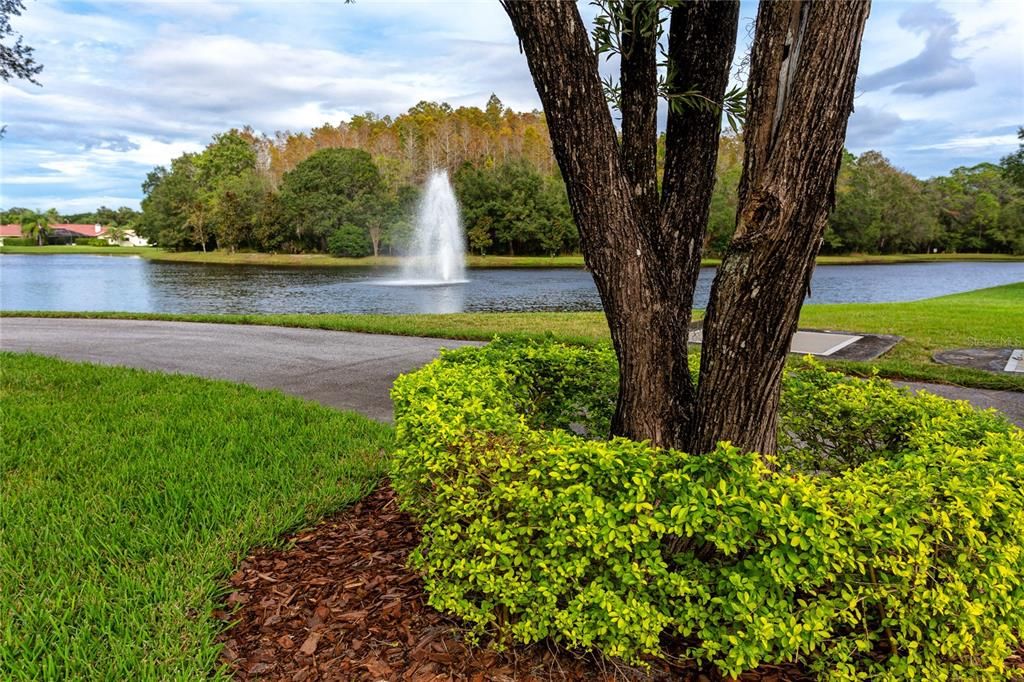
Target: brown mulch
x=341 y=605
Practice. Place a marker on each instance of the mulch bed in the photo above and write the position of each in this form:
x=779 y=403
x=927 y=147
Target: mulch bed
x=341 y=605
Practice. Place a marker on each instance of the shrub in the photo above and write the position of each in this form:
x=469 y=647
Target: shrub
x=18 y=241
x=349 y=241
x=887 y=542
x=92 y=241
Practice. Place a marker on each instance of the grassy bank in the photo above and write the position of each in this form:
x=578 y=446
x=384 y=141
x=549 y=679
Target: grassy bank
x=129 y=496
x=985 y=318
x=982 y=318
x=324 y=260
x=314 y=260
x=298 y=260
x=146 y=251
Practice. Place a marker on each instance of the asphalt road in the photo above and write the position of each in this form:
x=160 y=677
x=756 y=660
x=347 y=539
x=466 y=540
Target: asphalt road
x=342 y=369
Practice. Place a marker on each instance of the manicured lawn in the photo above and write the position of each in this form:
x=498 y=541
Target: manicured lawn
x=129 y=497
x=323 y=260
x=472 y=261
x=311 y=260
x=982 y=318
x=83 y=250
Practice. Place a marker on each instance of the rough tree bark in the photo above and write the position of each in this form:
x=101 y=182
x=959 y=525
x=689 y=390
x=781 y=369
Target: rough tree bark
x=802 y=74
x=644 y=250
x=644 y=258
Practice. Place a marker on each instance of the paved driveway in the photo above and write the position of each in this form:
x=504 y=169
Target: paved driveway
x=341 y=369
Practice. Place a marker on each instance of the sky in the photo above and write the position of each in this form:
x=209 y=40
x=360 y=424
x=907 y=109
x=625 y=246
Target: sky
x=130 y=85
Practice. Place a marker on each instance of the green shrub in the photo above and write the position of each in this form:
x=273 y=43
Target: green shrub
x=92 y=241
x=891 y=520
x=19 y=241
x=349 y=241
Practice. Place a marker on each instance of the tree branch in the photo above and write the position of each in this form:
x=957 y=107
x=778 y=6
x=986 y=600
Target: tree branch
x=801 y=87
x=639 y=104
x=564 y=68
x=701 y=44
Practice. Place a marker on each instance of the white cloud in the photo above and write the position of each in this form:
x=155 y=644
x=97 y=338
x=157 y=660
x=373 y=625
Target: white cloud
x=129 y=85
x=973 y=144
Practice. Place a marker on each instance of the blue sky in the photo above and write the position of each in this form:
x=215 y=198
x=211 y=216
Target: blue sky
x=130 y=85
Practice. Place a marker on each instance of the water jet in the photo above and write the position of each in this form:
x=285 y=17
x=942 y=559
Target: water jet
x=437 y=256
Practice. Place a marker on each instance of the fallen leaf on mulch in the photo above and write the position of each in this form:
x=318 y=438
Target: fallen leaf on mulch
x=309 y=646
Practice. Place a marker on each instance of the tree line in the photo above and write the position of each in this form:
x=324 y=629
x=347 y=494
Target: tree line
x=352 y=189
x=882 y=209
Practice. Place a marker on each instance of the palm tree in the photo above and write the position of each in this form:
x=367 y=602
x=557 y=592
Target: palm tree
x=36 y=225
x=116 y=234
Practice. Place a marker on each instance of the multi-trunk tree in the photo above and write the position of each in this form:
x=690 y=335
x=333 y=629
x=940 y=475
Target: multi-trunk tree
x=643 y=242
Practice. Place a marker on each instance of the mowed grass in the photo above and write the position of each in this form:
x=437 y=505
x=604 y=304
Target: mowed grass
x=297 y=260
x=82 y=250
x=129 y=497
x=321 y=260
x=983 y=318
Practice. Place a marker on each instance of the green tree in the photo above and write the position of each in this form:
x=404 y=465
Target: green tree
x=185 y=205
x=518 y=207
x=880 y=209
x=331 y=188
x=349 y=241
x=722 y=213
x=17 y=60
x=36 y=224
x=169 y=205
x=12 y=215
x=271 y=232
x=236 y=205
x=1013 y=164
x=1010 y=236
x=479 y=235
x=115 y=233
x=972 y=207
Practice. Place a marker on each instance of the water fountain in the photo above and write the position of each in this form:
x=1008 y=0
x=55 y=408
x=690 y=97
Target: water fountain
x=438 y=253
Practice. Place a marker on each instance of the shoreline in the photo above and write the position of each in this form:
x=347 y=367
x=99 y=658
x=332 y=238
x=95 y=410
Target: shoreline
x=978 y=318
x=473 y=262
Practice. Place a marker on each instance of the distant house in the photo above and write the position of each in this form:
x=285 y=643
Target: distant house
x=130 y=239
x=66 y=233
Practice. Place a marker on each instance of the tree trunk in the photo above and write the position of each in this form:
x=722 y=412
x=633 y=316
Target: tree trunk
x=802 y=74
x=644 y=259
x=374 y=233
x=644 y=250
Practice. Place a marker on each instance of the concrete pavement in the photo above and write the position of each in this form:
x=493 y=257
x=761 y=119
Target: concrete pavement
x=346 y=370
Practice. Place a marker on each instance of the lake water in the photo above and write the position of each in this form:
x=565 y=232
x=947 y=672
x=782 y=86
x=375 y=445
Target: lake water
x=121 y=283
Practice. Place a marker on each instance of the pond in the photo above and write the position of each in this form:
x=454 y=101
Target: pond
x=133 y=284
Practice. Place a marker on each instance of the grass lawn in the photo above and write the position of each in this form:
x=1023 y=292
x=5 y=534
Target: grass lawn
x=83 y=250
x=985 y=318
x=472 y=261
x=128 y=498
x=982 y=318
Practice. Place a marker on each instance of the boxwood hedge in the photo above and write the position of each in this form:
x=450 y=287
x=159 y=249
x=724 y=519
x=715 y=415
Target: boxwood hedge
x=885 y=540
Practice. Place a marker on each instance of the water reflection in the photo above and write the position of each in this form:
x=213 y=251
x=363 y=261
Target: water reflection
x=428 y=297
x=72 y=282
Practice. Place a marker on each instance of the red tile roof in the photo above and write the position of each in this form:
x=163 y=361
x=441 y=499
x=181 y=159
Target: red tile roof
x=14 y=230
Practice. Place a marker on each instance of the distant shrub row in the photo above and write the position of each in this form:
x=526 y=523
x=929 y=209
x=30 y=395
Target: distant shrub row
x=18 y=241
x=92 y=241
x=888 y=543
